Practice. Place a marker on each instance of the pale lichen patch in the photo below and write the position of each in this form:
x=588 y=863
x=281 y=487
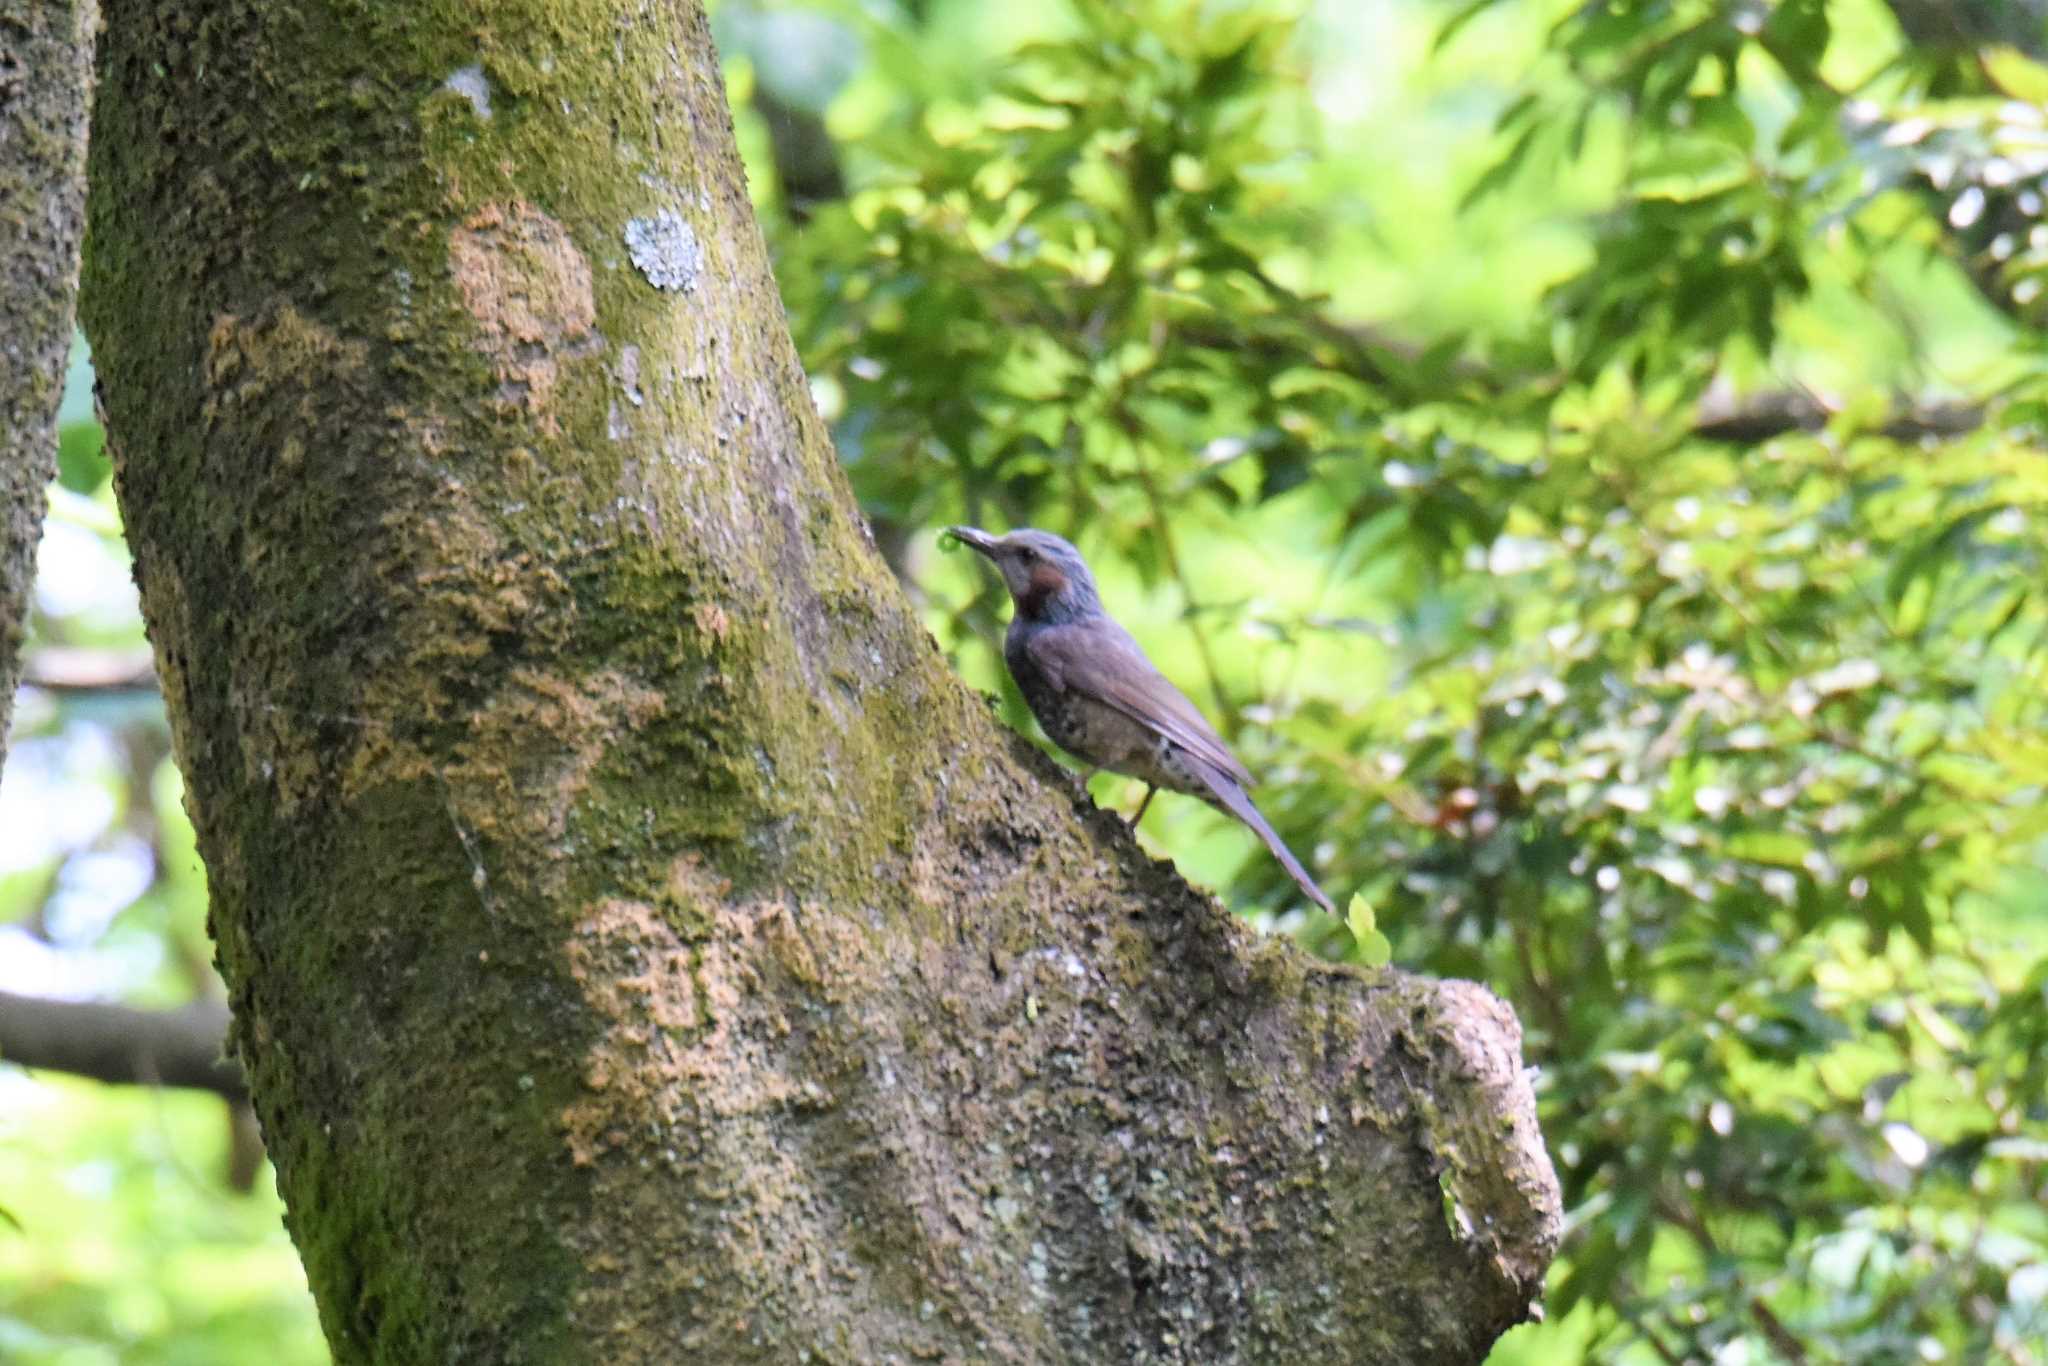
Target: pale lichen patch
x=629 y=375
x=470 y=83
x=665 y=249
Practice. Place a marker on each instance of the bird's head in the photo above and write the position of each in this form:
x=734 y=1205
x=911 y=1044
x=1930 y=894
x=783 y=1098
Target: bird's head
x=1047 y=578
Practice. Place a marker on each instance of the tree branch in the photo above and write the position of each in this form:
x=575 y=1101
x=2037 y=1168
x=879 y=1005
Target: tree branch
x=806 y=159
x=119 y=1044
x=1760 y=417
x=1368 y=354
x=66 y=669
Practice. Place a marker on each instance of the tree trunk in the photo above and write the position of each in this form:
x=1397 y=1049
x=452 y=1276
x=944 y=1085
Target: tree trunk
x=45 y=89
x=642 y=947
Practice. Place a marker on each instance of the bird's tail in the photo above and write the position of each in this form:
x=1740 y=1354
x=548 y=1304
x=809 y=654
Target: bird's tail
x=1232 y=798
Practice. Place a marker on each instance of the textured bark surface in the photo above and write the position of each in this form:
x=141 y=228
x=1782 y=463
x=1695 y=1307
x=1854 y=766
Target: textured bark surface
x=642 y=947
x=45 y=91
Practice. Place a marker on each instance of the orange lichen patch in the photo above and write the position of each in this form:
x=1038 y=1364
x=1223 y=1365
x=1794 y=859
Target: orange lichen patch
x=930 y=881
x=635 y=968
x=535 y=744
x=521 y=275
x=522 y=278
x=711 y=620
x=515 y=784
x=473 y=583
x=277 y=385
x=275 y=756
x=690 y=883
x=635 y=972
x=696 y=1030
x=255 y=361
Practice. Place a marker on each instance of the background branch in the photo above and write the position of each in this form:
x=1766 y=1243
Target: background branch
x=111 y=1043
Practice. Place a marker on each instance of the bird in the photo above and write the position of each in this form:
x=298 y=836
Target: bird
x=1099 y=698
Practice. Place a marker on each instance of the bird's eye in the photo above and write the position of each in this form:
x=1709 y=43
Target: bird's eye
x=1026 y=554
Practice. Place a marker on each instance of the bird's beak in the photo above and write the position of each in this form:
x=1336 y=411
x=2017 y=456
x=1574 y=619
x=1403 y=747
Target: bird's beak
x=975 y=537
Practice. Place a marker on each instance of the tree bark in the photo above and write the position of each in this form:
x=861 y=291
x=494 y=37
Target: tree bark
x=641 y=946
x=45 y=90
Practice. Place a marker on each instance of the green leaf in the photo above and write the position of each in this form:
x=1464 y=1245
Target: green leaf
x=1797 y=35
x=2017 y=74
x=1226 y=76
x=1497 y=176
x=1472 y=10
x=1369 y=946
x=82 y=464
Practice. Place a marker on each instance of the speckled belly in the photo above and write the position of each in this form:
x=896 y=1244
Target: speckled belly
x=1103 y=737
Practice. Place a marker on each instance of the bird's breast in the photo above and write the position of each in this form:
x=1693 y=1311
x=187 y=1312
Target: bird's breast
x=1102 y=737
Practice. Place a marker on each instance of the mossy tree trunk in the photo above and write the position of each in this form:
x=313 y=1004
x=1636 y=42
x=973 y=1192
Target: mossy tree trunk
x=642 y=947
x=45 y=89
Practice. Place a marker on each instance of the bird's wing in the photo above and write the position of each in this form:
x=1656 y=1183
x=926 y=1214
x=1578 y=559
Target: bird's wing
x=1100 y=660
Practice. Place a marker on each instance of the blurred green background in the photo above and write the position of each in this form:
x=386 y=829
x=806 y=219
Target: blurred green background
x=1587 y=458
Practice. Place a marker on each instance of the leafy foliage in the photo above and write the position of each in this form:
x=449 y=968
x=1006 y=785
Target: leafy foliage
x=1720 y=759
x=131 y=1257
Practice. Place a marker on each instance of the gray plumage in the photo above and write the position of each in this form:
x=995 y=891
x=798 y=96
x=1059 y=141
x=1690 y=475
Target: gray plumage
x=1097 y=695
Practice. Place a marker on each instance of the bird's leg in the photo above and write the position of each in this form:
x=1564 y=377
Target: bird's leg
x=1087 y=777
x=1149 y=791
